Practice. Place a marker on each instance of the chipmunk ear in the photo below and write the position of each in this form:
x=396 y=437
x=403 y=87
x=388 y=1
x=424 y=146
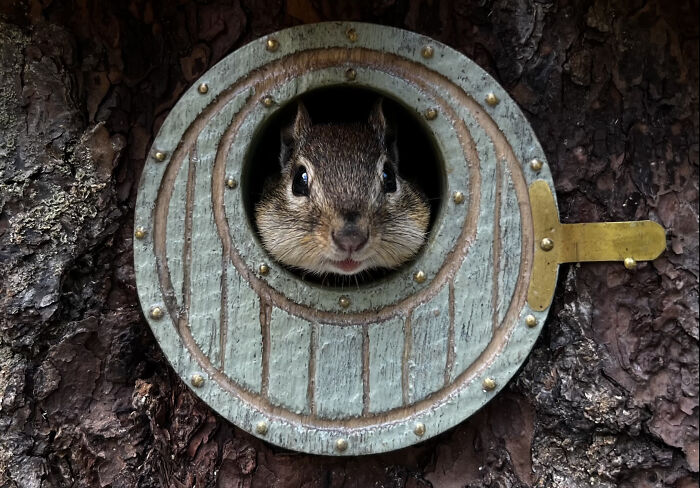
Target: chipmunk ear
x=386 y=132
x=377 y=120
x=291 y=135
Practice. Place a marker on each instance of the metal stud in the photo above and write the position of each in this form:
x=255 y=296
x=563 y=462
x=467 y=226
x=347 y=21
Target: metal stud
x=156 y=312
x=492 y=99
x=197 y=380
x=489 y=384
x=160 y=156
x=263 y=269
x=419 y=429
x=344 y=301
x=458 y=197
x=419 y=276
x=341 y=445
x=261 y=427
x=427 y=52
x=530 y=321
x=351 y=74
x=231 y=183
x=536 y=164
x=272 y=45
x=352 y=35
x=268 y=101
x=140 y=233
x=431 y=114
x=630 y=263
x=547 y=244
x=203 y=88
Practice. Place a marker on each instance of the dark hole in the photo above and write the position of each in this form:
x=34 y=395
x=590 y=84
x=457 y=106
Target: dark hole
x=419 y=160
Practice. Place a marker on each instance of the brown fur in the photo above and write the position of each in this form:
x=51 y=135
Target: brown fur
x=344 y=163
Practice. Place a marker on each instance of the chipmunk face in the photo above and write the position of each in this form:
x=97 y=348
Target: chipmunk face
x=339 y=205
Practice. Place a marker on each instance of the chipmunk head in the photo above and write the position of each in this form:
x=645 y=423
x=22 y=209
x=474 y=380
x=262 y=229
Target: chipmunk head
x=339 y=205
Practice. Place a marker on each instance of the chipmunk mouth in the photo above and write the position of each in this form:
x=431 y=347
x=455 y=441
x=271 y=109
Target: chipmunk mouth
x=347 y=265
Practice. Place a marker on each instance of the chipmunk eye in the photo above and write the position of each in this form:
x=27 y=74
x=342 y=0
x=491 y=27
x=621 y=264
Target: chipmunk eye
x=388 y=179
x=300 y=183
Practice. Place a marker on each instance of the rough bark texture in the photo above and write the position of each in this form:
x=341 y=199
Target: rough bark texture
x=608 y=397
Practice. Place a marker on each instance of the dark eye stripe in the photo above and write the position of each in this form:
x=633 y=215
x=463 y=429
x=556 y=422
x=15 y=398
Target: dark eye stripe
x=300 y=182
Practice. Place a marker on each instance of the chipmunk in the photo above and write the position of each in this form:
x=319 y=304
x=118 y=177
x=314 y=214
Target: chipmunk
x=339 y=205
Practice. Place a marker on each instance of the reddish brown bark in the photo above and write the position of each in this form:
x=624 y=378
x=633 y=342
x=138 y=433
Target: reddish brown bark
x=609 y=395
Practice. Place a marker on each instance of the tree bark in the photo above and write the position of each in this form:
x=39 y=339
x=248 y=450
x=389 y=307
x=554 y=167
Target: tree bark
x=609 y=395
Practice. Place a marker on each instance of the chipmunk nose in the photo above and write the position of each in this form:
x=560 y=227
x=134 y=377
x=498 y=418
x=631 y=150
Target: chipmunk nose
x=350 y=237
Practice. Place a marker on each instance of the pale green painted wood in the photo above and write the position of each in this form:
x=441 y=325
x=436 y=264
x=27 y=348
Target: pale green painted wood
x=243 y=345
x=430 y=326
x=475 y=279
x=386 y=346
x=290 y=345
x=176 y=230
x=338 y=390
x=511 y=243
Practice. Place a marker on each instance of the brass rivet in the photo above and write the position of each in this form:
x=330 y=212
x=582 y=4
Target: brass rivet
x=261 y=427
x=419 y=276
x=197 y=380
x=263 y=269
x=231 y=183
x=547 y=244
x=160 y=156
x=203 y=88
x=350 y=74
x=272 y=45
x=431 y=114
x=341 y=445
x=458 y=197
x=427 y=52
x=492 y=99
x=489 y=384
x=268 y=101
x=536 y=164
x=156 y=312
x=419 y=429
x=530 y=321
x=140 y=233
x=344 y=301
x=630 y=263
x=352 y=35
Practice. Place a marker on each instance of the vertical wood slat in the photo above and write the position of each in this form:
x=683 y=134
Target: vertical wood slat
x=338 y=391
x=205 y=273
x=175 y=241
x=243 y=357
x=385 y=365
x=511 y=243
x=430 y=326
x=289 y=353
x=473 y=310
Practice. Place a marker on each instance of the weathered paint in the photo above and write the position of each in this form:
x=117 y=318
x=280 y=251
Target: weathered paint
x=290 y=351
x=386 y=342
x=338 y=389
x=275 y=334
x=427 y=357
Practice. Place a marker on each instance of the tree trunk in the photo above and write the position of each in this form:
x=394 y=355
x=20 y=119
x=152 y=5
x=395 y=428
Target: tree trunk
x=609 y=395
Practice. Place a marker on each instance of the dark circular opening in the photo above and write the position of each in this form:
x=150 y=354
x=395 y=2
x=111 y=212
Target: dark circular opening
x=419 y=160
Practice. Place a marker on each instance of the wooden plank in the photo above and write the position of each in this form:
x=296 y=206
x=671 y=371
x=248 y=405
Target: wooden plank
x=385 y=360
x=290 y=344
x=243 y=345
x=338 y=384
x=474 y=310
x=430 y=324
x=176 y=230
x=511 y=242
